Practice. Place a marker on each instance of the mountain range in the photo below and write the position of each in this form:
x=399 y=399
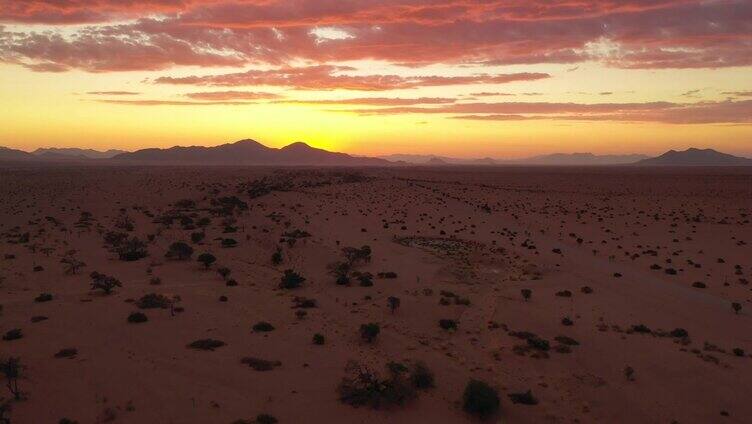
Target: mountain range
x=252 y=153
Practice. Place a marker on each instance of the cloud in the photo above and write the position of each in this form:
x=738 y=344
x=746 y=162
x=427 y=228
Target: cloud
x=738 y=93
x=726 y=112
x=331 y=77
x=232 y=95
x=160 y=34
x=171 y=103
x=112 y=93
x=375 y=101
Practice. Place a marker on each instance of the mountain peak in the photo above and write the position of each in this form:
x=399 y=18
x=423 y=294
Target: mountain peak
x=696 y=157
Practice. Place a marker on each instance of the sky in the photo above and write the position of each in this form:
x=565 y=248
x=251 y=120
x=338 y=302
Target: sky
x=463 y=78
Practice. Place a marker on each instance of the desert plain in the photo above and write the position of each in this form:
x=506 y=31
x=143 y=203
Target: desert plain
x=581 y=295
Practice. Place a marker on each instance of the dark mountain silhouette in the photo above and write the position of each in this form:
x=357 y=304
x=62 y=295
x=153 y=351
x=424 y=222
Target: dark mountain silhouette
x=77 y=153
x=696 y=157
x=14 y=155
x=247 y=152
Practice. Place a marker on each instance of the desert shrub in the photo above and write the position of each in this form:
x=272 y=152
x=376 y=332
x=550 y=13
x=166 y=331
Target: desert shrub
x=565 y=340
x=387 y=275
x=265 y=419
x=207 y=259
x=153 y=301
x=277 y=257
x=422 y=377
x=179 y=251
x=738 y=351
x=13 y=334
x=137 y=318
x=44 y=297
x=304 y=302
x=318 y=339
x=526 y=294
x=206 y=344
x=224 y=272
x=564 y=293
x=368 y=332
x=736 y=307
x=263 y=327
x=197 y=237
x=363 y=387
x=132 y=250
x=524 y=398
x=567 y=321
x=260 y=364
x=104 y=282
x=480 y=399
x=586 y=290
x=66 y=353
x=640 y=328
x=679 y=333
x=72 y=265
x=538 y=343
x=393 y=303
x=448 y=324
x=11 y=368
x=228 y=242
x=365 y=279
x=291 y=280
x=355 y=255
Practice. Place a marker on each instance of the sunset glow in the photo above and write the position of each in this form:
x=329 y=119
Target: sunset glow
x=463 y=78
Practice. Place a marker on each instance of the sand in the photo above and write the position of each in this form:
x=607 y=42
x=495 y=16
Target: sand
x=641 y=239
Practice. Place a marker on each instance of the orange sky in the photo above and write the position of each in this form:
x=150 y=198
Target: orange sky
x=461 y=78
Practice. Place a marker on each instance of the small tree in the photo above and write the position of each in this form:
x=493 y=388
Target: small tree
x=132 y=250
x=179 y=251
x=737 y=307
x=207 y=259
x=104 y=282
x=11 y=370
x=291 y=280
x=526 y=294
x=368 y=332
x=393 y=303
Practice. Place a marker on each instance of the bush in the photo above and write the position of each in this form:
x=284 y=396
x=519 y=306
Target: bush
x=206 y=344
x=13 y=334
x=421 y=377
x=260 y=364
x=318 y=339
x=44 y=297
x=263 y=327
x=132 y=250
x=480 y=399
x=197 y=237
x=207 y=259
x=179 y=251
x=153 y=301
x=363 y=387
x=368 y=332
x=448 y=324
x=137 y=318
x=104 y=282
x=291 y=280
x=277 y=257
x=525 y=398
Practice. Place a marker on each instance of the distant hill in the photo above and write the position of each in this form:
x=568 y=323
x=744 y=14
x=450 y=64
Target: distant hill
x=14 y=155
x=54 y=152
x=248 y=152
x=561 y=159
x=696 y=157
x=573 y=159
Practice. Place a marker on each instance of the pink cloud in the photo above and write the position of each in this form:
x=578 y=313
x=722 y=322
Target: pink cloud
x=645 y=34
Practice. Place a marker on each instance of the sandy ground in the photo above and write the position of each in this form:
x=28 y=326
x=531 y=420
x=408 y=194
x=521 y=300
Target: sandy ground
x=641 y=239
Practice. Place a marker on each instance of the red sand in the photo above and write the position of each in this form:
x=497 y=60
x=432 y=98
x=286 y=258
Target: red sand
x=502 y=231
